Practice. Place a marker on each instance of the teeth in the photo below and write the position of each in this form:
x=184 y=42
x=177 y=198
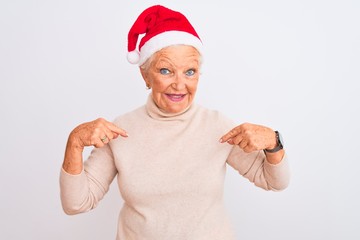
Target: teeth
x=176 y=97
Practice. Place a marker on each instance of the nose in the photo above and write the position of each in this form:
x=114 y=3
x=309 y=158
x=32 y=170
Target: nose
x=179 y=82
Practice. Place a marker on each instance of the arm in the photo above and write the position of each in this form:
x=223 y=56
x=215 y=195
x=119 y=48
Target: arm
x=269 y=171
x=97 y=133
x=260 y=171
x=82 y=186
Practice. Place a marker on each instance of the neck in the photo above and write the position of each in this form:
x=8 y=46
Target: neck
x=156 y=113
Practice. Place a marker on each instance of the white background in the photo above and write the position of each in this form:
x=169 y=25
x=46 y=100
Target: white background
x=290 y=65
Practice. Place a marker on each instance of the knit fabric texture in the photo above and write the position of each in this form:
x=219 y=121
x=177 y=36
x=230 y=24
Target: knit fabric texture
x=170 y=172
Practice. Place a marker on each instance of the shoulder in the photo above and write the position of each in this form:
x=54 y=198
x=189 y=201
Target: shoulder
x=133 y=116
x=214 y=117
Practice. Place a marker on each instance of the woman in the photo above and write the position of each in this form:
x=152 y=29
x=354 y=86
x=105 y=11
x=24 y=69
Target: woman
x=170 y=168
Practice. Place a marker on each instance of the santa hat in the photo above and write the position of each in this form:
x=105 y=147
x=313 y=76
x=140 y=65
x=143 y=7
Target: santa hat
x=162 y=27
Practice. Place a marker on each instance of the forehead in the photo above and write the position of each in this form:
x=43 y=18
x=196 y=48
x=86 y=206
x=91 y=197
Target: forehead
x=177 y=55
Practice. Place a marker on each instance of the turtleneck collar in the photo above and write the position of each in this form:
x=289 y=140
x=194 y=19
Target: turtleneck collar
x=156 y=113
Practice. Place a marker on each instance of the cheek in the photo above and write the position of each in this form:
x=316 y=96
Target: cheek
x=193 y=86
x=160 y=86
x=157 y=83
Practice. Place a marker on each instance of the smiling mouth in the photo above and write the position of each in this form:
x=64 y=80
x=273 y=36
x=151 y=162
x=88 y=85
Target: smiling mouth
x=175 y=97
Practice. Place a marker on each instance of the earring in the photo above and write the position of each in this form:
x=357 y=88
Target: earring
x=148 y=87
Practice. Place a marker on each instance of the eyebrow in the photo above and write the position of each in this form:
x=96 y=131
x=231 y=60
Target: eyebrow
x=167 y=61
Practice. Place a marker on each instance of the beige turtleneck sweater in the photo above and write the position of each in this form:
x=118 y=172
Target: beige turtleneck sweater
x=170 y=172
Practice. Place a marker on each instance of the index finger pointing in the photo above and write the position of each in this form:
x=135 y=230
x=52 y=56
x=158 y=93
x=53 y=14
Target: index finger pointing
x=119 y=131
x=232 y=133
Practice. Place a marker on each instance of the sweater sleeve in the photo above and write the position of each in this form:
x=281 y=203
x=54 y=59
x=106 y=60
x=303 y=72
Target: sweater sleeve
x=259 y=171
x=81 y=193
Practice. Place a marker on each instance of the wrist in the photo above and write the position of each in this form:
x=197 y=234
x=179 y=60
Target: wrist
x=277 y=146
x=273 y=144
x=73 y=162
x=276 y=157
x=74 y=143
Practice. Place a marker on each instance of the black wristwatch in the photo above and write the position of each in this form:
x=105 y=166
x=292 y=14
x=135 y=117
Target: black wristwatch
x=279 y=143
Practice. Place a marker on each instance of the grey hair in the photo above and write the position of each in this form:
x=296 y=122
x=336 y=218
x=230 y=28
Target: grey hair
x=146 y=65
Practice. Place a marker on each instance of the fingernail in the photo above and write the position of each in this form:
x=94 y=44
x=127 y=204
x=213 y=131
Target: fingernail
x=221 y=140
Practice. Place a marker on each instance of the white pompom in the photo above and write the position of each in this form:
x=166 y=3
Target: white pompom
x=133 y=57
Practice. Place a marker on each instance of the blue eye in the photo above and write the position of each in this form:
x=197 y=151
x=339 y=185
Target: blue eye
x=164 y=71
x=190 y=72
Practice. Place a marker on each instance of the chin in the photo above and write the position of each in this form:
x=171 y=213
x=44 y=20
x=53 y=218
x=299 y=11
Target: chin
x=175 y=107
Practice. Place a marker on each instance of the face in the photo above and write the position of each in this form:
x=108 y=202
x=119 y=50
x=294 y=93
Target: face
x=173 y=75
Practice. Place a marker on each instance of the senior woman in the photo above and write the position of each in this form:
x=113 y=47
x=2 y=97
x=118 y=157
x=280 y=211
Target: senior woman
x=170 y=168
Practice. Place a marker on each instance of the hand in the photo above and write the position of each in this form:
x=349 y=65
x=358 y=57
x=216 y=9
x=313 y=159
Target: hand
x=96 y=133
x=251 y=137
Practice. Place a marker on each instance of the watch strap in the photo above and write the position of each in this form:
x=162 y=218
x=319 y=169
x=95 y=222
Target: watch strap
x=279 y=145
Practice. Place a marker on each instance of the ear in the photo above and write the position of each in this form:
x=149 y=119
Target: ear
x=144 y=76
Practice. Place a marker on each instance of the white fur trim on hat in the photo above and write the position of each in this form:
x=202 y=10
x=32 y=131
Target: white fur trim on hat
x=166 y=39
x=133 y=57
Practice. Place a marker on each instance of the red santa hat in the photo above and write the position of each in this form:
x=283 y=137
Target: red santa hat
x=162 y=27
